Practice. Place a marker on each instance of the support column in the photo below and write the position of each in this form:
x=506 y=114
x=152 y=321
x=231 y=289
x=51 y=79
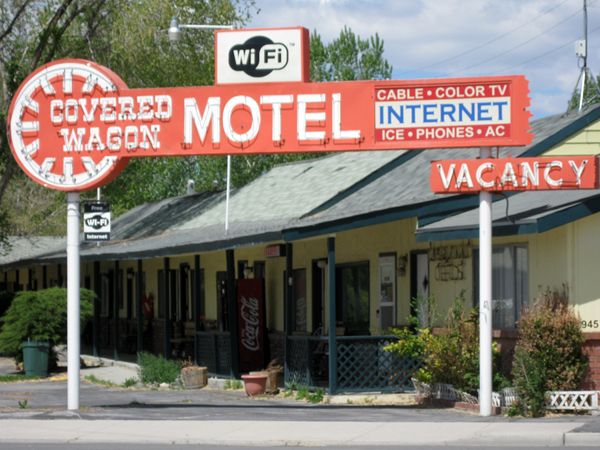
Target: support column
x=167 y=316
x=485 y=296
x=332 y=316
x=140 y=307
x=289 y=305
x=73 y=306
x=197 y=307
x=233 y=315
x=97 y=307
x=116 y=296
x=44 y=277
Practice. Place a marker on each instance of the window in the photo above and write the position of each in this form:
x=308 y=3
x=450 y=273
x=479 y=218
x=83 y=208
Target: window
x=300 y=307
x=510 y=284
x=352 y=297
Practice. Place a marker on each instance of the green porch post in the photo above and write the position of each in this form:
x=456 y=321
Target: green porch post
x=197 y=308
x=140 y=307
x=232 y=308
x=167 y=327
x=289 y=306
x=97 y=306
x=116 y=295
x=333 y=363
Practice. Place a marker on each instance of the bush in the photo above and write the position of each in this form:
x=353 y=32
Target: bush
x=452 y=356
x=549 y=354
x=39 y=316
x=154 y=369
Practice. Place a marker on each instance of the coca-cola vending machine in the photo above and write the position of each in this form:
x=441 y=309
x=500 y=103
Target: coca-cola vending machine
x=252 y=324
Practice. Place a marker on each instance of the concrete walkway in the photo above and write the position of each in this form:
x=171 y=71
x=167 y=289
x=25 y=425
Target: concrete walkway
x=218 y=417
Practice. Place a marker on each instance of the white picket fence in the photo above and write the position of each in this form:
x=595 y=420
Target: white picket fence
x=558 y=400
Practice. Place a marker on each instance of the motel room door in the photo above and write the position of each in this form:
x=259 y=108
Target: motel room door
x=419 y=281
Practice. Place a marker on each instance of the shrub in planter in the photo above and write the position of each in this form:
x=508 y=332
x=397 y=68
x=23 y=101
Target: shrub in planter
x=39 y=316
x=548 y=356
x=154 y=369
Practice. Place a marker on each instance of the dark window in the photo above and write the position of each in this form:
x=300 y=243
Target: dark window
x=300 y=306
x=352 y=297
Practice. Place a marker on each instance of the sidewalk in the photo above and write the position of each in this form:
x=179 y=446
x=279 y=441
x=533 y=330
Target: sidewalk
x=220 y=417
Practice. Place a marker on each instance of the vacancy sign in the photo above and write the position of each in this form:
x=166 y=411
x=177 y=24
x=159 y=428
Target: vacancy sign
x=96 y=222
x=514 y=174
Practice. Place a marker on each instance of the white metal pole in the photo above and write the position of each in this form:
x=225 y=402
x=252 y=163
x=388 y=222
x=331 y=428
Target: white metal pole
x=227 y=198
x=485 y=296
x=73 y=335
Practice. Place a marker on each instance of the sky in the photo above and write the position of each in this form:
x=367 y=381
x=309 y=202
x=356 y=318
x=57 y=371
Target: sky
x=461 y=38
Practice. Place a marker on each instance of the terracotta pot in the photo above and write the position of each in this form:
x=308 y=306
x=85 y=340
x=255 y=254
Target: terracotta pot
x=272 y=381
x=255 y=384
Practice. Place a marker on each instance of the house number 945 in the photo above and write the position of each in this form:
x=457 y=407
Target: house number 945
x=590 y=324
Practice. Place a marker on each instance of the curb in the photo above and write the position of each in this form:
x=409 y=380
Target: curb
x=463 y=406
x=109 y=362
x=590 y=439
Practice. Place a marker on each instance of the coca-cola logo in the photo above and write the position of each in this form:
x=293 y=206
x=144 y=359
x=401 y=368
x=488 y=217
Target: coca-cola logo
x=250 y=327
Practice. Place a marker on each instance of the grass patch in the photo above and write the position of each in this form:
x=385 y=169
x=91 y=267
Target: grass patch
x=154 y=369
x=14 y=378
x=233 y=384
x=96 y=380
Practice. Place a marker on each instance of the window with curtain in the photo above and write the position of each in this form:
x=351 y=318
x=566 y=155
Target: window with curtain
x=352 y=297
x=510 y=284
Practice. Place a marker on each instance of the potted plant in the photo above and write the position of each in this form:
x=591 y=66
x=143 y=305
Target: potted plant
x=272 y=371
x=255 y=383
x=193 y=377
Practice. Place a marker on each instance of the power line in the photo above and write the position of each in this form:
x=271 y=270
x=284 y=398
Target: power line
x=486 y=43
x=540 y=56
x=515 y=47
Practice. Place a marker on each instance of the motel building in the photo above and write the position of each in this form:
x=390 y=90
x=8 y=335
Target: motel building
x=345 y=240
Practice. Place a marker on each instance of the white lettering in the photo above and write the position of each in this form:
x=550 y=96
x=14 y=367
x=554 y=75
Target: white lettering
x=247 y=103
x=337 y=121
x=212 y=111
x=276 y=101
x=304 y=117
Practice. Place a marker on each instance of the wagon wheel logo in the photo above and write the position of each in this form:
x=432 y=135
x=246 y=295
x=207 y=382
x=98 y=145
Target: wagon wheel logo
x=53 y=123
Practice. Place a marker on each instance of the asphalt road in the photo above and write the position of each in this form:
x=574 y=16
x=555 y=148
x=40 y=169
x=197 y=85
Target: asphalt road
x=48 y=400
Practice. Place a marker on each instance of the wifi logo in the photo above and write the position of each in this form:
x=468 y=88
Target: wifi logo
x=258 y=56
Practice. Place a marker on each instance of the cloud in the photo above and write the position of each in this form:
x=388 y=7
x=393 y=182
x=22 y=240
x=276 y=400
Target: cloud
x=427 y=38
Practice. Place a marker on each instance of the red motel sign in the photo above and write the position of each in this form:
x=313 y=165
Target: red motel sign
x=514 y=174
x=73 y=124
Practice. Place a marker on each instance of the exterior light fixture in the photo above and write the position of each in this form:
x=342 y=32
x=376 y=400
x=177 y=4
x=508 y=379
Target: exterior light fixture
x=174 y=31
x=322 y=263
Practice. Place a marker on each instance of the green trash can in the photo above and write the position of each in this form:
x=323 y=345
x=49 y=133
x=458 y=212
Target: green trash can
x=35 y=358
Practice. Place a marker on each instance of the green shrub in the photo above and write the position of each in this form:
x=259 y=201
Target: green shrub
x=548 y=355
x=452 y=355
x=154 y=369
x=39 y=316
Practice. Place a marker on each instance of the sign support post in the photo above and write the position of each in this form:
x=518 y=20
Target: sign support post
x=73 y=313
x=485 y=296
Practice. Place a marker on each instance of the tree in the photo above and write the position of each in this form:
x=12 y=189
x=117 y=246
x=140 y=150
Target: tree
x=130 y=39
x=39 y=316
x=126 y=36
x=348 y=58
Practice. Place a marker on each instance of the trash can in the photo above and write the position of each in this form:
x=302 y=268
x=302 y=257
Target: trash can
x=35 y=358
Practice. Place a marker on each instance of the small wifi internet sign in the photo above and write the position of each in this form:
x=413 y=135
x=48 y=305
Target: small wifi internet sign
x=262 y=56
x=96 y=222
